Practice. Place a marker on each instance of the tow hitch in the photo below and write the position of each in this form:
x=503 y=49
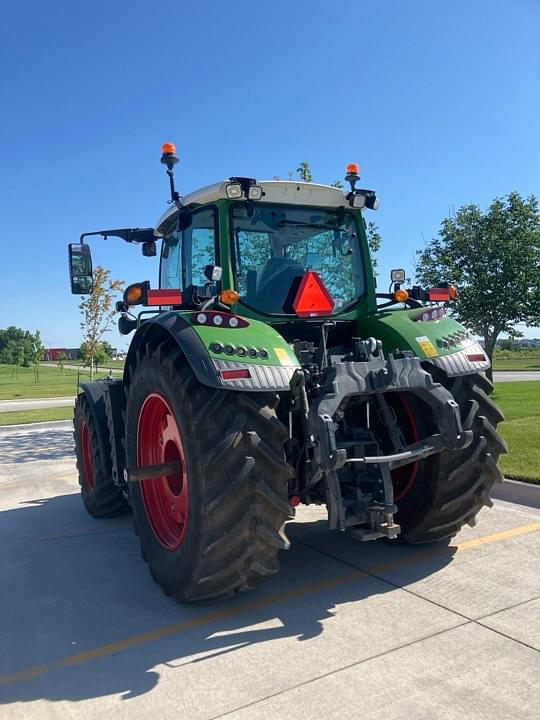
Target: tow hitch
x=356 y=473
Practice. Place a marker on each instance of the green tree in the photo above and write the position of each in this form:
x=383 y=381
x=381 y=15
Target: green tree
x=374 y=240
x=304 y=170
x=99 y=357
x=494 y=257
x=60 y=360
x=97 y=312
x=20 y=347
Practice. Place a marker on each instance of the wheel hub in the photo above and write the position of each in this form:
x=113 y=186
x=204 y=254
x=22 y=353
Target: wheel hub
x=166 y=497
x=87 y=455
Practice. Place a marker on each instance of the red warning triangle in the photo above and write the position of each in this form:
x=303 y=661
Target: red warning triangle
x=312 y=298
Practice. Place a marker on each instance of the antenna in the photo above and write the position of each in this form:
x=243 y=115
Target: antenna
x=170 y=158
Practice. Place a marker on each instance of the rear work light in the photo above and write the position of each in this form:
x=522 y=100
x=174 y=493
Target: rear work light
x=213 y=318
x=241 y=374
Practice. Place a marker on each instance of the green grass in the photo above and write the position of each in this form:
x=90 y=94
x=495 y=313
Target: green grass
x=517 y=359
x=520 y=402
x=52 y=382
x=33 y=416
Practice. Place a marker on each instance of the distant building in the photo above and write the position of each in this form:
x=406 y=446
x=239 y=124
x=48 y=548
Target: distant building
x=51 y=354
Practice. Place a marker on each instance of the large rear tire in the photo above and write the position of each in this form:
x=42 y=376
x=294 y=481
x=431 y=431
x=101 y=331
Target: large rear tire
x=217 y=525
x=100 y=495
x=451 y=488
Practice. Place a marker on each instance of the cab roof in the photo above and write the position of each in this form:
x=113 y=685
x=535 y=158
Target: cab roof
x=286 y=192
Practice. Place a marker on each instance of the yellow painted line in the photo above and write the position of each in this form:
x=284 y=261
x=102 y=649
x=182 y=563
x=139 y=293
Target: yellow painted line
x=217 y=615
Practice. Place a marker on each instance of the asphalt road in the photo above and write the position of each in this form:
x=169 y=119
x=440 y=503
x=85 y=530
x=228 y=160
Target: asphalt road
x=345 y=630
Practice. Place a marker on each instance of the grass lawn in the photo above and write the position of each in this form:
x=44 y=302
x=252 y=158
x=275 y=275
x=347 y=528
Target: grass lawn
x=52 y=382
x=32 y=416
x=520 y=402
x=517 y=359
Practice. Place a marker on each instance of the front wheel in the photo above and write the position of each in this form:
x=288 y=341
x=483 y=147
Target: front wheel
x=216 y=525
x=440 y=494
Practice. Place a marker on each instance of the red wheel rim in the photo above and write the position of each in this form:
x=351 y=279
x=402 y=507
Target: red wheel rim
x=165 y=497
x=87 y=455
x=403 y=478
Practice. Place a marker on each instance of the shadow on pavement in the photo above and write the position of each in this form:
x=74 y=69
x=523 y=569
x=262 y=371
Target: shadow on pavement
x=25 y=446
x=71 y=593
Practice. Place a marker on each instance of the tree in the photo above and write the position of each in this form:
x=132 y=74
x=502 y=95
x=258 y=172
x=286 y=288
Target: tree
x=60 y=360
x=304 y=171
x=20 y=347
x=374 y=240
x=99 y=357
x=107 y=349
x=97 y=311
x=494 y=257
x=36 y=353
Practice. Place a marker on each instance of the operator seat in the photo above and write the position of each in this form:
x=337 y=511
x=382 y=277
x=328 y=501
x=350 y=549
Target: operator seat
x=269 y=287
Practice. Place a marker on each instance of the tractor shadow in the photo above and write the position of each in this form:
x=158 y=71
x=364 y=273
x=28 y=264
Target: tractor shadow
x=83 y=585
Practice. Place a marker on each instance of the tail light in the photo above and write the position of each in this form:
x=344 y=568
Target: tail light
x=240 y=374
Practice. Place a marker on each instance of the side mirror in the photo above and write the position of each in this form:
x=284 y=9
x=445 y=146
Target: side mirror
x=397 y=276
x=80 y=269
x=149 y=249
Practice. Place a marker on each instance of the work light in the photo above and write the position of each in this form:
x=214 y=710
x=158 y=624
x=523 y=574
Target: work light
x=234 y=191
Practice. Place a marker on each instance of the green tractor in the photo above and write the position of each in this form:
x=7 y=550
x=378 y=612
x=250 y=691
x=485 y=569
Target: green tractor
x=266 y=371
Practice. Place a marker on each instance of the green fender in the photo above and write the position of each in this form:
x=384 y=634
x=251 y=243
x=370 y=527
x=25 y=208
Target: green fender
x=271 y=371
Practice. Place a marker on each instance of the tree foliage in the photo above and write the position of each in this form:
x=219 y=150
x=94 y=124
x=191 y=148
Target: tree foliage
x=97 y=311
x=20 y=347
x=304 y=170
x=494 y=257
x=102 y=353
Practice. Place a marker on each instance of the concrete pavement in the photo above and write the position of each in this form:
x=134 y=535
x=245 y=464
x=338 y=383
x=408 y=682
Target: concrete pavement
x=515 y=375
x=35 y=404
x=344 y=630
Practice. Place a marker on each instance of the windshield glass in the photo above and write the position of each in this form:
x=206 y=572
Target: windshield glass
x=278 y=243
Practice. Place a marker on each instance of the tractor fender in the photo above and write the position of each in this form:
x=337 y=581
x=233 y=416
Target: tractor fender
x=208 y=370
x=94 y=393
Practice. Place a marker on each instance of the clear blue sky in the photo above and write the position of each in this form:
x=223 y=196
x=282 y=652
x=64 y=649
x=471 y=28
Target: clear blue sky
x=438 y=102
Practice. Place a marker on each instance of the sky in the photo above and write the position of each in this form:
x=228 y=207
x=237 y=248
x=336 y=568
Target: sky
x=439 y=103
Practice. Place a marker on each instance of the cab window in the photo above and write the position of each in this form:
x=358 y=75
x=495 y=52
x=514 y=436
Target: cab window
x=186 y=251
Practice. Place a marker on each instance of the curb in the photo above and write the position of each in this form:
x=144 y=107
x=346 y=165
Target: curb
x=517 y=492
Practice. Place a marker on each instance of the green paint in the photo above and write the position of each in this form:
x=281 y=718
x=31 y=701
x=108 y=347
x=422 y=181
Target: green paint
x=258 y=335
x=398 y=330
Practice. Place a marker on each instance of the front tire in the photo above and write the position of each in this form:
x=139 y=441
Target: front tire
x=217 y=525
x=452 y=487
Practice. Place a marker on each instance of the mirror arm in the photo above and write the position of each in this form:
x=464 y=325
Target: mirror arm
x=130 y=235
